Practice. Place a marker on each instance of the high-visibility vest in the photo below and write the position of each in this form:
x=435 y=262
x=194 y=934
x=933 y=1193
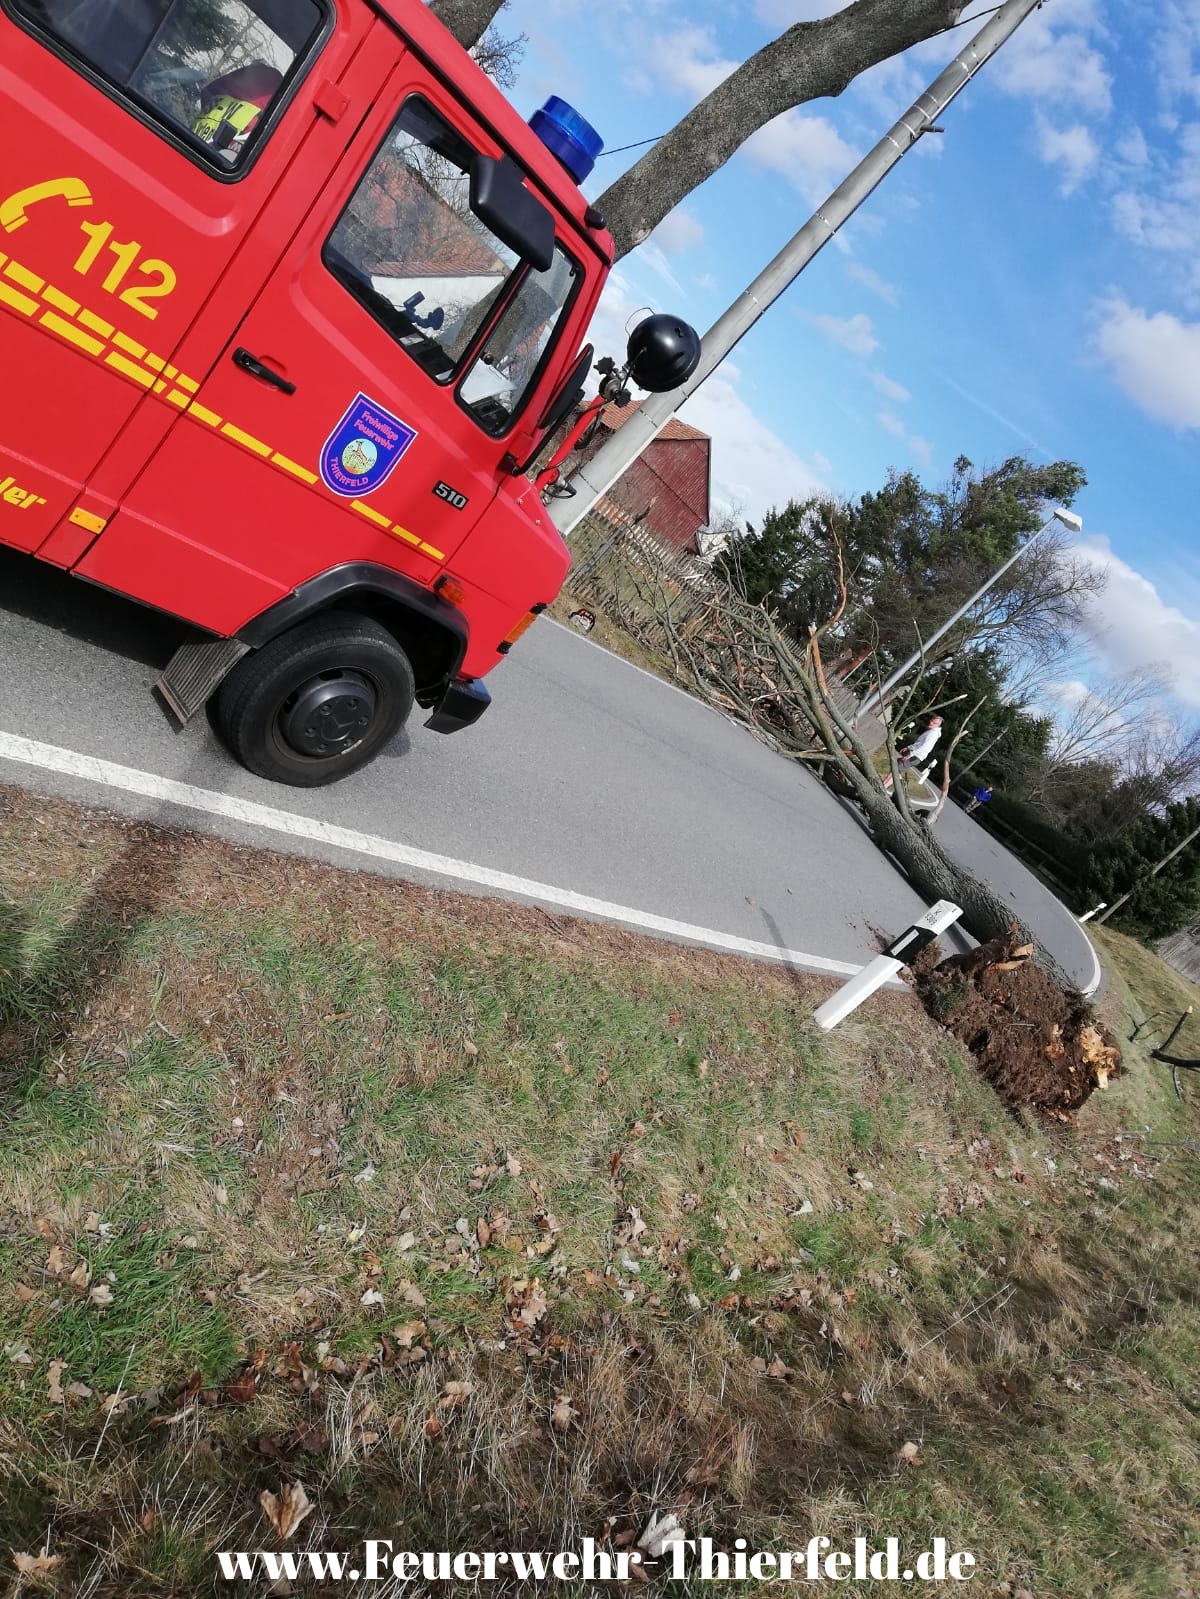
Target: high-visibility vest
x=227 y=121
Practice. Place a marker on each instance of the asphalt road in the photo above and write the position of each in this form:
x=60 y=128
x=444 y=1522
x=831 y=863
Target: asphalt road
x=586 y=774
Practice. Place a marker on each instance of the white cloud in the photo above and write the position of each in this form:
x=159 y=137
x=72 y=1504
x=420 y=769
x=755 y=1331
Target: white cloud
x=1136 y=627
x=890 y=389
x=1176 y=48
x=920 y=448
x=1074 y=149
x=869 y=279
x=1052 y=59
x=650 y=255
x=687 y=60
x=891 y=423
x=890 y=87
x=1155 y=359
x=678 y=231
x=854 y=333
x=1158 y=208
x=1133 y=149
x=752 y=467
x=1156 y=221
x=807 y=150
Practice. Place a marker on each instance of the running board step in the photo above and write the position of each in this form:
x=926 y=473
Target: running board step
x=195 y=670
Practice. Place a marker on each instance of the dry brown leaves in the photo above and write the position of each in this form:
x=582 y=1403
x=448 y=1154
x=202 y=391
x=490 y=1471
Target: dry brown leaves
x=287 y=1509
x=527 y=1304
x=35 y=1565
x=562 y=1413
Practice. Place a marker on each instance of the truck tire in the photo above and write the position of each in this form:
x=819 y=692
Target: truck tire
x=316 y=703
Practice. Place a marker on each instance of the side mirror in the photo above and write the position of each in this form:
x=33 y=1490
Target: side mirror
x=502 y=203
x=570 y=392
x=663 y=352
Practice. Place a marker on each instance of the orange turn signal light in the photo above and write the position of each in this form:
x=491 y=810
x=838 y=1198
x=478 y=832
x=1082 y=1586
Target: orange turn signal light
x=522 y=627
x=447 y=588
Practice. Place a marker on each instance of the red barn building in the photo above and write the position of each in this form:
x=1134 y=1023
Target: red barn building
x=667 y=487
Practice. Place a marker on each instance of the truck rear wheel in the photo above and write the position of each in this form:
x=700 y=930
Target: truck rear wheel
x=316 y=703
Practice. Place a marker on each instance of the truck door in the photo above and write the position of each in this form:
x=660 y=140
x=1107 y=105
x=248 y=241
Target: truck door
x=360 y=409
x=141 y=140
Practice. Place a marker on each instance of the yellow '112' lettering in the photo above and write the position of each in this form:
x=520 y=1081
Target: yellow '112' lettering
x=162 y=277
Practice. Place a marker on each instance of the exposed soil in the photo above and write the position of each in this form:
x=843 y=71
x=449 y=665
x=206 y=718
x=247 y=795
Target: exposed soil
x=1041 y=1048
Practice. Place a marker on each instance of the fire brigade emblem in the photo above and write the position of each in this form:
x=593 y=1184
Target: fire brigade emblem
x=359 y=456
x=360 y=453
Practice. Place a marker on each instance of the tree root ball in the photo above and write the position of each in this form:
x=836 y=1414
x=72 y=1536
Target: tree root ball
x=1041 y=1048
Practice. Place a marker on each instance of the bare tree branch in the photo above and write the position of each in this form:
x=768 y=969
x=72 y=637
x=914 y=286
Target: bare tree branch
x=810 y=61
x=932 y=818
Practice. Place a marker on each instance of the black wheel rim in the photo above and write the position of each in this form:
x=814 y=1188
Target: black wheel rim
x=330 y=714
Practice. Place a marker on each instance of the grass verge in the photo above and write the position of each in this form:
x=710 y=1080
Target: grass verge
x=499 y=1230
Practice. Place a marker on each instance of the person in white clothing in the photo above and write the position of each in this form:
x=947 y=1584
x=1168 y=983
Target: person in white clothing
x=922 y=746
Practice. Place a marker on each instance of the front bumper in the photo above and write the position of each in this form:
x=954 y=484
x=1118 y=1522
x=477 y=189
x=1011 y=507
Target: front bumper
x=461 y=705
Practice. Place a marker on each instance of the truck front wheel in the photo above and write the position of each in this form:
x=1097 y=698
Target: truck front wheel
x=317 y=702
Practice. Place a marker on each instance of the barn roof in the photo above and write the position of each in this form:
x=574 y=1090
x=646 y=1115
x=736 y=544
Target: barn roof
x=615 y=417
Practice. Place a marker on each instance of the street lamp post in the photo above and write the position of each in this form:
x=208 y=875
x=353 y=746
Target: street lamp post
x=877 y=696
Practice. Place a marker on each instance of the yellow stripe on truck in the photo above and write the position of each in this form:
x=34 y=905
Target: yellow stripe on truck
x=67 y=319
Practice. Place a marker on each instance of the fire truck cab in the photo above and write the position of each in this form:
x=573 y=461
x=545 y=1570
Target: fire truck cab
x=290 y=298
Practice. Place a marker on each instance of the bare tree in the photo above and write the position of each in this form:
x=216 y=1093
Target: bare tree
x=1042 y=605
x=1107 y=720
x=809 y=61
x=1161 y=763
x=500 y=54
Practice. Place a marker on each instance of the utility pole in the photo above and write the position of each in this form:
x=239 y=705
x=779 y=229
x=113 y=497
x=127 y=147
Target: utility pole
x=606 y=466
x=878 y=695
x=1146 y=876
x=986 y=750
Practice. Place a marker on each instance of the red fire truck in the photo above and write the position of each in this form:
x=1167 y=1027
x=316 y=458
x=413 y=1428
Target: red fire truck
x=290 y=300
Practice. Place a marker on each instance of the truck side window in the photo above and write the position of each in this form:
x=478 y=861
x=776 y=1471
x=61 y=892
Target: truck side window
x=209 y=69
x=517 y=347
x=410 y=249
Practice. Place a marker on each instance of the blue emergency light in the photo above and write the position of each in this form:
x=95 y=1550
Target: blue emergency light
x=572 y=139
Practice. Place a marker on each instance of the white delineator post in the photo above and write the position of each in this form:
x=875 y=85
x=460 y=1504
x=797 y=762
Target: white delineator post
x=610 y=460
x=877 y=972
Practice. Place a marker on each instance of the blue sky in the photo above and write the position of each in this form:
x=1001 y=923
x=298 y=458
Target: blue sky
x=1029 y=282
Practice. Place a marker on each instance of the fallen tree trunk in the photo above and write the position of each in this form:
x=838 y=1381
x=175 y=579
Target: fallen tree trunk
x=738 y=656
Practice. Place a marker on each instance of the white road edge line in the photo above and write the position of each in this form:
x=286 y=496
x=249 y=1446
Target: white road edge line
x=676 y=688
x=1099 y=970
x=70 y=763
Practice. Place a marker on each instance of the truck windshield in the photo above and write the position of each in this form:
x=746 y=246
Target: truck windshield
x=516 y=348
x=411 y=250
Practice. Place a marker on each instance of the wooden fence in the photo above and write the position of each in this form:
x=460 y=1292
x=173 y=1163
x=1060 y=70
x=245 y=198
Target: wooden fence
x=636 y=579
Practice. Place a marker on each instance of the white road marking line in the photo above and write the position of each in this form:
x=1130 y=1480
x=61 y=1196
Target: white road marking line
x=663 y=682
x=70 y=763
x=1098 y=973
